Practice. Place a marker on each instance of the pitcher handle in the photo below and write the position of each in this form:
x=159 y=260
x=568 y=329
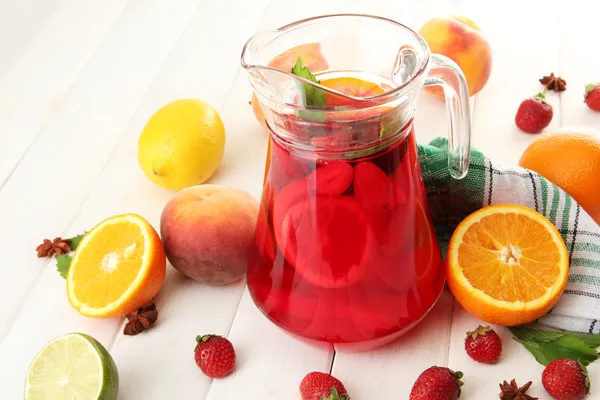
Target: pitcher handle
x=446 y=73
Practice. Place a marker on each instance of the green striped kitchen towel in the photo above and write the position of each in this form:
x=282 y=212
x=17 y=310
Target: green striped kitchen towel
x=486 y=183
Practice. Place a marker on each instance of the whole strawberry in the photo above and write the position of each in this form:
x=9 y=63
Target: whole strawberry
x=437 y=383
x=592 y=96
x=483 y=345
x=320 y=386
x=214 y=355
x=566 y=379
x=534 y=114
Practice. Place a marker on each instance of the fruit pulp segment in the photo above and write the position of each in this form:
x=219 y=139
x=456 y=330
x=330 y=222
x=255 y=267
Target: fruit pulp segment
x=510 y=257
x=67 y=368
x=345 y=250
x=112 y=264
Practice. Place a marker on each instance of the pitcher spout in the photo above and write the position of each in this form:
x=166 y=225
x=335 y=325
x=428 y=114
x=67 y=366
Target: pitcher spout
x=345 y=83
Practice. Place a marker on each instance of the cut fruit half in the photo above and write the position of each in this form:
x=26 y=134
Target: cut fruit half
x=118 y=267
x=328 y=180
x=327 y=240
x=507 y=264
x=73 y=366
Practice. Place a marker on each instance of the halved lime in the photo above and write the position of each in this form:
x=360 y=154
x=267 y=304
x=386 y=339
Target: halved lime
x=72 y=367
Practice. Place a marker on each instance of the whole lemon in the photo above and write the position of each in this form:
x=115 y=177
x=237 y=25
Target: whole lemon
x=182 y=144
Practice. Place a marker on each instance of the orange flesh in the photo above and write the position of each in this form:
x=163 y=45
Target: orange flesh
x=351 y=86
x=114 y=262
x=510 y=257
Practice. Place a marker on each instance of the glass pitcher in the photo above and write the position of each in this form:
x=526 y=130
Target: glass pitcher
x=345 y=249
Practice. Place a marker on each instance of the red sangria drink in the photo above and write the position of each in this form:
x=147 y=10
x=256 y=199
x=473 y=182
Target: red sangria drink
x=345 y=250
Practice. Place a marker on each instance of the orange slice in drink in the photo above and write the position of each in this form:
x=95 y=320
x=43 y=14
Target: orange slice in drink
x=507 y=264
x=351 y=86
x=118 y=267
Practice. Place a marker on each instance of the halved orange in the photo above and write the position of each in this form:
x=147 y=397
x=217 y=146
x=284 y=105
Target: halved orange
x=507 y=264
x=118 y=267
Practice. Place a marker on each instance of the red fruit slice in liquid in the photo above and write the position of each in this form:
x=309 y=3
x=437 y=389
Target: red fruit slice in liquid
x=373 y=188
x=384 y=201
x=331 y=179
x=285 y=167
x=427 y=253
x=327 y=240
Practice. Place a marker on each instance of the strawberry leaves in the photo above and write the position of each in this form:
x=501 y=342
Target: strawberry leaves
x=547 y=346
x=589 y=88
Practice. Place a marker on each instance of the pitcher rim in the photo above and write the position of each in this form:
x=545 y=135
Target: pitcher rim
x=422 y=68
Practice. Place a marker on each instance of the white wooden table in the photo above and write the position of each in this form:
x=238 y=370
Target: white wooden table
x=78 y=80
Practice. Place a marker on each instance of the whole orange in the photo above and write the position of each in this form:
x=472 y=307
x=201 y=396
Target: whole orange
x=570 y=160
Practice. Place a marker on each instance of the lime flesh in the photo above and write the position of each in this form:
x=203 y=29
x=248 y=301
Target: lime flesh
x=72 y=367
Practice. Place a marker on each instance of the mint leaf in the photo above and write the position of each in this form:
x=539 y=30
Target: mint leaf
x=311 y=96
x=590 y=339
x=75 y=241
x=547 y=346
x=542 y=335
x=535 y=349
x=63 y=261
x=576 y=349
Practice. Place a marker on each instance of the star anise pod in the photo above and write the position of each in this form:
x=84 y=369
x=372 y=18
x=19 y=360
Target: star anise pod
x=555 y=83
x=57 y=246
x=141 y=320
x=512 y=391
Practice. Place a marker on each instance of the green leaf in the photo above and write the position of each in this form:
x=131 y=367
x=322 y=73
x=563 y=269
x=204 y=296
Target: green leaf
x=590 y=339
x=544 y=335
x=310 y=115
x=75 y=241
x=63 y=261
x=525 y=333
x=566 y=346
x=311 y=96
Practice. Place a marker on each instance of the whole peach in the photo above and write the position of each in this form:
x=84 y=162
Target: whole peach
x=207 y=231
x=461 y=40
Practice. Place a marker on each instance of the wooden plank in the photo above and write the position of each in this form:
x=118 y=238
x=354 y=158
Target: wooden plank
x=77 y=144
x=390 y=371
x=20 y=21
x=270 y=362
x=187 y=308
x=270 y=351
x=34 y=88
x=520 y=58
x=579 y=64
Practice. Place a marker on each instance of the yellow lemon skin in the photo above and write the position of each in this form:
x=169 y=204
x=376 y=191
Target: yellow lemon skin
x=182 y=144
